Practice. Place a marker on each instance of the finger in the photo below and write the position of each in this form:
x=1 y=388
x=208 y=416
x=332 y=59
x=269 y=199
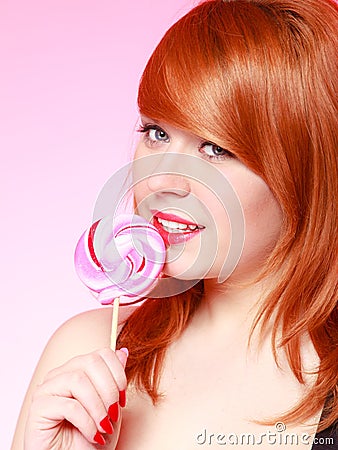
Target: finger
x=103 y=368
x=53 y=411
x=77 y=385
x=113 y=361
x=116 y=362
x=122 y=355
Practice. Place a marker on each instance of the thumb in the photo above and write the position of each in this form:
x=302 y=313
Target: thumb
x=122 y=355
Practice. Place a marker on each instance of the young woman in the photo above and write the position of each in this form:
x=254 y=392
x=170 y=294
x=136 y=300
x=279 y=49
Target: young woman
x=249 y=87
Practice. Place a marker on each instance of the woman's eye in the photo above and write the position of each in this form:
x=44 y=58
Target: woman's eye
x=154 y=134
x=157 y=134
x=215 y=152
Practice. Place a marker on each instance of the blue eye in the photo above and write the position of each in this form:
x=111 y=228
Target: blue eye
x=157 y=134
x=154 y=134
x=214 y=152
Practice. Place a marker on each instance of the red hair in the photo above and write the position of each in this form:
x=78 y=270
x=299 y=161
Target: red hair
x=259 y=77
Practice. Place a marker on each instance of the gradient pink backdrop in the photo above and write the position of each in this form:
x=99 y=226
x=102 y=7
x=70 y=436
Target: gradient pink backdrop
x=68 y=82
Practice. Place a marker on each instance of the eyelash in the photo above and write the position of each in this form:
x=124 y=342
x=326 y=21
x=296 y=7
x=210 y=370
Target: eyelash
x=145 y=129
x=214 y=158
x=148 y=127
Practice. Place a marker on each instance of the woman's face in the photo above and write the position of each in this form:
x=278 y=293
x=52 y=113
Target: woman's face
x=194 y=216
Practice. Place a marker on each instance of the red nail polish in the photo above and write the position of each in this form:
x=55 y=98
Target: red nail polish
x=99 y=438
x=106 y=425
x=122 y=399
x=113 y=412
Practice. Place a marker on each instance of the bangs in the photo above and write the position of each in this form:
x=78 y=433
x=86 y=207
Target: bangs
x=213 y=74
x=250 y=77
x=179 y=85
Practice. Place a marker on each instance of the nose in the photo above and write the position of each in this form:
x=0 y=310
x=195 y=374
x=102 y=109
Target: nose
x=168 y=177
x=168 y=184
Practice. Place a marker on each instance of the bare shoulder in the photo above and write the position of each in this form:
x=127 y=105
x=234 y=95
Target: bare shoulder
x=91 y=329
x=81 y=334
x=85 y=333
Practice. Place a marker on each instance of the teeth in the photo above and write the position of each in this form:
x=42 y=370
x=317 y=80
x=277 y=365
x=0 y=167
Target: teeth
x=169 y=226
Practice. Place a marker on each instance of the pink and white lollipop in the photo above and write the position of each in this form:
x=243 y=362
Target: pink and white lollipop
x=119 y=259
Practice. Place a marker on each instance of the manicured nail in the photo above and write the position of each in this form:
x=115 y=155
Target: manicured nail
x=99 y=439
x=122 y=398
x=113 y=412
x=125 y=350
x=106 y=425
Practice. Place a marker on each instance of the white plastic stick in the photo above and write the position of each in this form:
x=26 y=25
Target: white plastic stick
x=115 y=319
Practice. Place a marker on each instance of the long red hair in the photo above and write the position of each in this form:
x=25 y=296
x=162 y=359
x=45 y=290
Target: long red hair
x=259 y=77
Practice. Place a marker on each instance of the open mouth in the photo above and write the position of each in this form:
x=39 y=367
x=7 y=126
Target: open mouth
x=174 y=229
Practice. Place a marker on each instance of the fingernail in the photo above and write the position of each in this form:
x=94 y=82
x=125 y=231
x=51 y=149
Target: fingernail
x=122 y=398
x=99 y=438
x=125 y=350
x=106 y=425
x=113 y=412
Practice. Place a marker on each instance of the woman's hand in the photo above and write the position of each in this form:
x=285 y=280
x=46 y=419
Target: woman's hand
x=78 y=405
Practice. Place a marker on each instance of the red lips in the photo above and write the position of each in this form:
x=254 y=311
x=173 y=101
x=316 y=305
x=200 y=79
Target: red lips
x=175 y=238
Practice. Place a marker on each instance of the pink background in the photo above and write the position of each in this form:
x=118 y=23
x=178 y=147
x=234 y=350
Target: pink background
x=69 y=72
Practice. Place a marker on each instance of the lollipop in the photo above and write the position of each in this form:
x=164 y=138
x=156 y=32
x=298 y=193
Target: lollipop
x=119 y=259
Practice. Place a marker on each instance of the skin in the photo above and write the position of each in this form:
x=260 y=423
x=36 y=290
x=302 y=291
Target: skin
x=261 y=211
x=220 y=385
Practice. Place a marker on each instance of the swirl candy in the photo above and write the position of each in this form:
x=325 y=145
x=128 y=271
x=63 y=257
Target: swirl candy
x=120 y=257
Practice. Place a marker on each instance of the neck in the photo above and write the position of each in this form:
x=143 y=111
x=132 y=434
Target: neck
x=231 y=308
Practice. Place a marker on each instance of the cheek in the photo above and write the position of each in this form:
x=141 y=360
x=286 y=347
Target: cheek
x=263 y=218
x=141 y=194
x=140 y=188
x=263 y=221
x=206 y=255
x=263 y=215
x=263 y=212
